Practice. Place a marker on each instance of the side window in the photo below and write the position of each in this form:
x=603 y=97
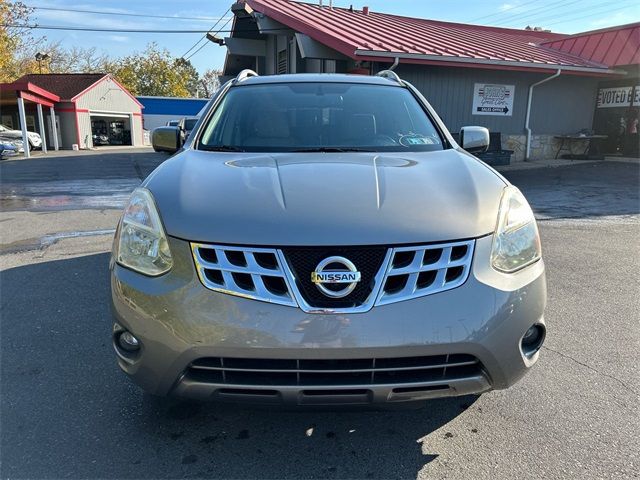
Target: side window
x=213 y=130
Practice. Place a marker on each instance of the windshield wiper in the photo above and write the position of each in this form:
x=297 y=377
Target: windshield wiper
x=221 y=148
x=332 y=149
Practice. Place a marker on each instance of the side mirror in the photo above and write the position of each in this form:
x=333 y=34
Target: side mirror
x=166 y=139
x=474 y=139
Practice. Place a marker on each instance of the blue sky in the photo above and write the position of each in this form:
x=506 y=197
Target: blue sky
x=565 y=16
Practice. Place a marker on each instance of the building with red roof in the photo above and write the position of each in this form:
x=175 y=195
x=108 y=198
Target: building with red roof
x=90 y=109
x=548 y=84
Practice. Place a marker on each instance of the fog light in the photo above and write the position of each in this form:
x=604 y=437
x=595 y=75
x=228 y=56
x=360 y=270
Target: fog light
x=128 y=342
x=532 y=340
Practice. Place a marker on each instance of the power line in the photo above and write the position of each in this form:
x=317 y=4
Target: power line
x=542 y=16
x=502 y=11
x=541 y=10
x=207 y=42
x=592 y=14
x=101 y=12
x=125 y=30
x=205 y=35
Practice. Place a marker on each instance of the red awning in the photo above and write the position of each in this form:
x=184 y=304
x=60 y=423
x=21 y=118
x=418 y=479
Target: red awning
x=27 y=91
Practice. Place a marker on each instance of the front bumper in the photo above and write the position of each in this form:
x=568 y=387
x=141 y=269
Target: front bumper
x=179 y=322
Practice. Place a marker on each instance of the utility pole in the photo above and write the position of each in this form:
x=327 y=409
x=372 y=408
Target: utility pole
x=40 y=57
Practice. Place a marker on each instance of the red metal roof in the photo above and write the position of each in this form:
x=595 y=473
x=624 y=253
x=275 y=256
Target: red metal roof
x=611 y=46
x=380 y=36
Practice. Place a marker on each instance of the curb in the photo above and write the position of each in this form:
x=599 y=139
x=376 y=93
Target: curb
x=543 y=164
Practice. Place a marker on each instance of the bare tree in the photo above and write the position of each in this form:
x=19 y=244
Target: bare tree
x=75 y=59
x=210 y=82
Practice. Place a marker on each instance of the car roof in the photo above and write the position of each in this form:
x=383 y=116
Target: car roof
x=319 y=78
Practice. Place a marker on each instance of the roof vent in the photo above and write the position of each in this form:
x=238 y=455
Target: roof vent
x=365 y=10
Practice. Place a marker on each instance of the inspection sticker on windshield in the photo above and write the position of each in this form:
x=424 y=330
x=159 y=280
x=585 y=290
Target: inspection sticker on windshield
x=409 y=140
x=492 y=99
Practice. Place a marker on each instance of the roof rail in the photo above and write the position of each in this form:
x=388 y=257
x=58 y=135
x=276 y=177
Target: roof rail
x=390 y=74
x=246 y=73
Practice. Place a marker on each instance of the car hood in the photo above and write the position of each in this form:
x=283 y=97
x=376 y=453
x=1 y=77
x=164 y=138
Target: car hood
x=11 y=134
x=17 y=134
x=326 y=198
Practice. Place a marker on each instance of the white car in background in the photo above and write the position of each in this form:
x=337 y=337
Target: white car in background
x=35 y=141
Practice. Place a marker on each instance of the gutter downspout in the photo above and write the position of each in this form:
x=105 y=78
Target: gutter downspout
x=526 y=122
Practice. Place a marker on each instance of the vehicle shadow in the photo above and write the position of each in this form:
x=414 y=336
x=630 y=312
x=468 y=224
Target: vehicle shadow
x=67 y=410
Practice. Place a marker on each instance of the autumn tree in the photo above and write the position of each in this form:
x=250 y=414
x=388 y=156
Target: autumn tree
x=16 y=42
x=18 y=48
x=155 y=72
x=189 y=75
x=151 y=72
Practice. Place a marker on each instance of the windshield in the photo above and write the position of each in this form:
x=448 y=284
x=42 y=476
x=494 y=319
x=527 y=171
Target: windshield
x=190 y=123
x=319 y=117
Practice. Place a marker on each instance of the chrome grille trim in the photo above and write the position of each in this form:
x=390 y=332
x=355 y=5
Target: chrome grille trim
x=257 y=272
x=380 y=293
x=438 y=269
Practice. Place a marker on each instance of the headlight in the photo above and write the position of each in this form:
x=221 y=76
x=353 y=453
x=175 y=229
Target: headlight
x=142 y=243
x=516 y=242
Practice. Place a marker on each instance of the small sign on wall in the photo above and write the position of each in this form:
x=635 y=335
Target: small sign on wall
x=492 y=99
x=618 y=97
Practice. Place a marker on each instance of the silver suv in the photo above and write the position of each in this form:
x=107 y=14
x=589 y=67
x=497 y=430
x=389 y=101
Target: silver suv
x=322 y=239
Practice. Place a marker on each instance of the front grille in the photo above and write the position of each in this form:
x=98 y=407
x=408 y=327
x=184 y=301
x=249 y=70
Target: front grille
x=326 y=373
x=283 y=276
x=250 y=272
x=303 y=261
x=424 y=270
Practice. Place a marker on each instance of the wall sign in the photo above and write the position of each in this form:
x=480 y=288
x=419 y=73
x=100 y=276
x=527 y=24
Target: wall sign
x=618 y=97
x=492 y=99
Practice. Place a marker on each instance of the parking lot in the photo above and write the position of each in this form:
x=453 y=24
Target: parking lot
x=67 y=410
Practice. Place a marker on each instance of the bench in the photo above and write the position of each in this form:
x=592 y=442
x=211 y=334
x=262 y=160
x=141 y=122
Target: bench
x=496 y=155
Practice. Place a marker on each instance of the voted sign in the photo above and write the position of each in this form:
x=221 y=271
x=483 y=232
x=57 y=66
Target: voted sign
x=618 y=97
x=493 y=99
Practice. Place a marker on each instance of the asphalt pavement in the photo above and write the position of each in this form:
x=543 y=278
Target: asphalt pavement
x=68 y=412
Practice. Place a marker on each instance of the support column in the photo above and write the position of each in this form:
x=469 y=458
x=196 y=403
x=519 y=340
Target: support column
x=42 y=128
x=23 y=126
x=132 y=129
x=54 y=129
